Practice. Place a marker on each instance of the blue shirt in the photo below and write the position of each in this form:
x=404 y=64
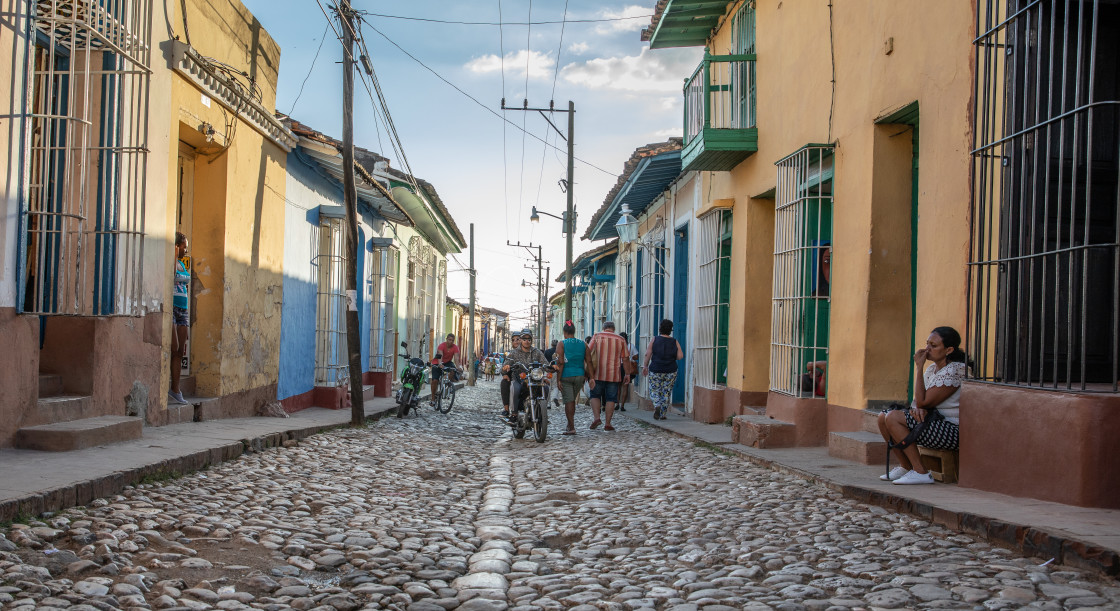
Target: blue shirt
x=181 y=297
x=663 y=357
x=574 y=350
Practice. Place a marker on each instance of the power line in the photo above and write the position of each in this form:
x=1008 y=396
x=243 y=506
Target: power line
x=475 y=100
x=322 y=38
x=505 y=160
x=500 y=23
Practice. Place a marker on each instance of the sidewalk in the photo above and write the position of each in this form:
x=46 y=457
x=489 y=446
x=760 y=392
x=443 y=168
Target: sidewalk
x=32 y=482
x=1075 y=536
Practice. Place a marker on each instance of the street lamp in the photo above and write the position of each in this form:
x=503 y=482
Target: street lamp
x=627 y=226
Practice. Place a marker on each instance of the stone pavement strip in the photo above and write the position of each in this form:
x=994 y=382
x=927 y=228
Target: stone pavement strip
x=438 y=512
x=1076 y=536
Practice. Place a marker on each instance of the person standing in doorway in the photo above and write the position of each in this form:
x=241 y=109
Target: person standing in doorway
x=571 y=357
x=180 y=321
x=660 y=367
x=608 y=349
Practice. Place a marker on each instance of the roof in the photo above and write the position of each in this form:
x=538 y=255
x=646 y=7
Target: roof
x=325 y=152
x=366 y=162
x=588 y=257
x=645 y=175
x=684 y=23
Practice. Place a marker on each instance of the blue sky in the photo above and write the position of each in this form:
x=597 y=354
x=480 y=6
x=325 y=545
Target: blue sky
x=625 y=96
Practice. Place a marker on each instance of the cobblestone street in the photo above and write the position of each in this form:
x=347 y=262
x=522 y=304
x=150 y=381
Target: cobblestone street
x=442 y=512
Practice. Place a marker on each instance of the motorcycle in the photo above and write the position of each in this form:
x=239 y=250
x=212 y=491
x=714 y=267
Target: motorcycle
x=533 y=415
x=413 y=376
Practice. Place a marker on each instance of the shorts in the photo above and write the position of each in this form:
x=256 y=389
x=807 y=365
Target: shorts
x=940 y=435
x=179 y=317
x=570 y=388
x=606 y=391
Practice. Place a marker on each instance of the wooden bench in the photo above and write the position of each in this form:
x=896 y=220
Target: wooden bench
x=942 y=463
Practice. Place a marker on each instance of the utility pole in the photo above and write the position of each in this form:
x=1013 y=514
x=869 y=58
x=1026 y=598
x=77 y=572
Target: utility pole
x=350 y=195
x=529 y=247
x=570 y=214
x=470 y=334
x=544 y=306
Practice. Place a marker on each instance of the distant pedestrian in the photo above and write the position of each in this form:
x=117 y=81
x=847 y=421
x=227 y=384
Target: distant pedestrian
x=629 y=367
x=551 y=352
x=180 y=320
x=571 y=357
x=608 y=349
x=660 y=368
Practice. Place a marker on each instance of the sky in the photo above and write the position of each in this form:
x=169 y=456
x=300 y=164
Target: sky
x=486 y=171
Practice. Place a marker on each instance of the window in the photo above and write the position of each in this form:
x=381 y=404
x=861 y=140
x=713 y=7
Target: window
x=713 y=286
x=331 y=364
x=420 y=276
x=1044 y=275
x=624 y=294
x=383 y=289
x=86 y=145
x=802 y=269
x=743 y=83
x=651 y=310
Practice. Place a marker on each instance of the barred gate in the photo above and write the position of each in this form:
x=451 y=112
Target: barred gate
x=383 y=327
x=1044 y=271
x=331 y=363
x=86 y=142
x=802 y=254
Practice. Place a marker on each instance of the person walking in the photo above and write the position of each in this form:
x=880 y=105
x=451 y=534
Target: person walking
x=660 y=367
x=571 y=357
x=630 y=362
x=179 y=319
x=608 y=349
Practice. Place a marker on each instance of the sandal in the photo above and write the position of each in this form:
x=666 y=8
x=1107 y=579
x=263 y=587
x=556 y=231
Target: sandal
x=595 y=424
x=569 y=432
x=608 y=428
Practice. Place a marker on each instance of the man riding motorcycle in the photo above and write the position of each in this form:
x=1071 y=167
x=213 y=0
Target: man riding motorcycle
x=523 y=353
x=444 y=361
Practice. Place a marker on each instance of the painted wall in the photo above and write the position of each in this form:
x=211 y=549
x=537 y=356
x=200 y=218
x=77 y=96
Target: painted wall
x=929 y=59
x=239 y=211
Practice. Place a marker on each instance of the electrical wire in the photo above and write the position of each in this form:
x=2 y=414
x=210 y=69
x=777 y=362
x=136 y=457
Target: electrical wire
x=500 y=23
x=322 y=38
x=480 y=104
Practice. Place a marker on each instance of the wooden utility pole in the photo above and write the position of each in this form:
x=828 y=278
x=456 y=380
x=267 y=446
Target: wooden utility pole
x=470 y=335
x=544 y=307
x=350 y=195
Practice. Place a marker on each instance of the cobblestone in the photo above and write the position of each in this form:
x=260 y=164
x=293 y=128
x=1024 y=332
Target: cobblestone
x=449 y=512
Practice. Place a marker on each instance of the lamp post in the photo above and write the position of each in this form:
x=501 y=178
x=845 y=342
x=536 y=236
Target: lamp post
x=627 y=226
x=569 y=229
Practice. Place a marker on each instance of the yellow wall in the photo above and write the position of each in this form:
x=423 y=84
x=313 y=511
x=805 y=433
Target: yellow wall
x=238 y=231
x=930 y=63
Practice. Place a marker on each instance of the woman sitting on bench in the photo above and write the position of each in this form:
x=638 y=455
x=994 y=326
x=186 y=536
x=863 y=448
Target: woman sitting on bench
x=941 y=370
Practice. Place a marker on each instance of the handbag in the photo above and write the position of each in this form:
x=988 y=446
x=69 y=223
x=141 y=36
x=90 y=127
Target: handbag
x=630 y=366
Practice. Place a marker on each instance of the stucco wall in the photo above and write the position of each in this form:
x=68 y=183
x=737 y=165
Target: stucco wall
x=930 y=62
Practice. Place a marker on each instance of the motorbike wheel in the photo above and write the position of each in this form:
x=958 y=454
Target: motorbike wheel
x=403 y=403
x=540 y=420
x=447 y=398
x=519 y=428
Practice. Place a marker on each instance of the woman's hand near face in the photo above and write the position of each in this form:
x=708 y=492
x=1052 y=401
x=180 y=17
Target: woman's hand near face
x=920 y=356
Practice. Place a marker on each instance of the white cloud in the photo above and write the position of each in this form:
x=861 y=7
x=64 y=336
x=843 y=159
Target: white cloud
x=539 y=64
x=578 y=48
x=671 y=132
x=625 y=25
x=649 y=72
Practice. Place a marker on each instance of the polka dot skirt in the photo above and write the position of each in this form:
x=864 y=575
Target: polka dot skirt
x=940 y=435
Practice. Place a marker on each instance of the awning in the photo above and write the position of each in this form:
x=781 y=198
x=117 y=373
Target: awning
x=649 y=180
x=687 y=23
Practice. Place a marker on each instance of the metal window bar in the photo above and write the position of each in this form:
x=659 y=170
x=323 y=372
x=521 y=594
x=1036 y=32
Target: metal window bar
x=330 y=315
x=710 y=305
x=86 y=144
x=383 y=272
x=420 y=264
x=1044 y=264
x=802 y=232
x=652 y=286
x=624 y=295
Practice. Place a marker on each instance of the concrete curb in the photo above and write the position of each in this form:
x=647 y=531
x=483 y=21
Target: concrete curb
x=1029 y=540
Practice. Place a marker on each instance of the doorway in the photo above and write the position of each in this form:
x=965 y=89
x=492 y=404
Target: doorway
x=680 y=303
x=184 y=223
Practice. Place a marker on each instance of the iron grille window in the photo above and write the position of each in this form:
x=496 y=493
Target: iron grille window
x=86 y=143
x=420 y=271
x=1044 y=273
x=713 y=293
x=330 y=314
x=383 y=289
x=652 y=286
x=802 y=264
x=624 y=295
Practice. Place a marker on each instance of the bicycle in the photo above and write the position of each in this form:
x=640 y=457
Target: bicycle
x=445 y=392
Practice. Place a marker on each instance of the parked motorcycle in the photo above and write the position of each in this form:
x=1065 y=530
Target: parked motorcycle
x=533 y=415
x=413 y=376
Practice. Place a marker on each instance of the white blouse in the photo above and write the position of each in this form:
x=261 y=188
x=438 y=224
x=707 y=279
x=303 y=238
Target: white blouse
x=952 y=374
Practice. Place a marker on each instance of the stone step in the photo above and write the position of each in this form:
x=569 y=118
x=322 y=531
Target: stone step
x=79 y=434
x=63 y=408
x=858 y=446
x=188 y=385
x=763 y=432
x=50 y=385
x=203 y=408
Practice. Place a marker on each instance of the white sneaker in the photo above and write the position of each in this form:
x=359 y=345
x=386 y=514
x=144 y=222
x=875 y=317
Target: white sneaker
x=913 y=477
x=895 y=473
x=176 y=397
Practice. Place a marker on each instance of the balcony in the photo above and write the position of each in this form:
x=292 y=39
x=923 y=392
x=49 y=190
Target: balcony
x=719 y=113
